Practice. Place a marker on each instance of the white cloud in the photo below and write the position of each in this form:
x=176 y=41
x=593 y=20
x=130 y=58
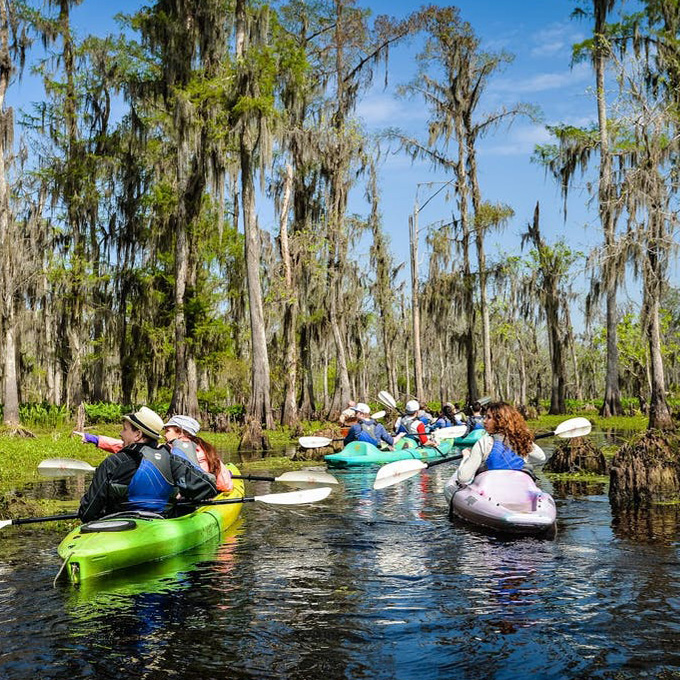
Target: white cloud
x=385 y=110
x=542 y=82
x=555 y=39
x=519 y=141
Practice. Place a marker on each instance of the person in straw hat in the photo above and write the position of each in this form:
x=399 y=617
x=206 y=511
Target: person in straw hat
x=140 y=475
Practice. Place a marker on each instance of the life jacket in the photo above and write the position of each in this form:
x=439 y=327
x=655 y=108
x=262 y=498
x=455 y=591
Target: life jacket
x=409 y=424
x=186 y=450
x=502 y=457
x=476 y=423
x=442 y=421
x=367 y=433
x=152 y=485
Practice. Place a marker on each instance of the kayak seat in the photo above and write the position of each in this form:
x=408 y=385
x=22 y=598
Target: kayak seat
x=134 y=514
x=99 y=526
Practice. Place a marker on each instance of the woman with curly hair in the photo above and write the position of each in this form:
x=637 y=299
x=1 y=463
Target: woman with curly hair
x=507 y=445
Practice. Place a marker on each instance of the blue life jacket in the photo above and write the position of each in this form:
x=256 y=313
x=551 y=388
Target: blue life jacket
x=477 y=423
x=502 y=457
x=442 y=421
x=151 y=486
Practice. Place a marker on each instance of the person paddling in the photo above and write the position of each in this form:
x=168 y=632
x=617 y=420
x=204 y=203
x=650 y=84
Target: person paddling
x=181 y=434
x=368 y=430
x=411 y=425
x=507 y=445
x=140 y=474
x=476 y=420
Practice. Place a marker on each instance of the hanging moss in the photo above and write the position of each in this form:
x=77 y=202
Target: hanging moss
x=577 y=455
x=646 y=470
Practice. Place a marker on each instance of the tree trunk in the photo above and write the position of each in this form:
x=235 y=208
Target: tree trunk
x=415 y=302
x=611 y=405
x=259 y=407
x=289 y=413
x=307 y=408
x=659 y=413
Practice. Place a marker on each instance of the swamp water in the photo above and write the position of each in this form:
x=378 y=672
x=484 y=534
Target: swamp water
x=366 y=584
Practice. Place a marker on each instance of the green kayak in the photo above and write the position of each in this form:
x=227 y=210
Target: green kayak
x=128 y=539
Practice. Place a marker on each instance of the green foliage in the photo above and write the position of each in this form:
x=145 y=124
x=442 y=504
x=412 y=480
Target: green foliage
x=43 y=414
x=103 y=412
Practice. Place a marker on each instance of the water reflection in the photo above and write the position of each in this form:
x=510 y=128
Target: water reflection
x=654 y=524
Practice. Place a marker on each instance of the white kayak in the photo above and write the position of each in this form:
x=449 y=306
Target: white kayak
x=507 y=501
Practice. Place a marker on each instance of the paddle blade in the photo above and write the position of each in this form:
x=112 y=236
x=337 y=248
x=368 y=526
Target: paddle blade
x=5 y=523
x=314 y=442
x=574 y=427
x=387 y=399
x=306 y=477
x=295 y=497
x=54 y=467
x=449 y=432
x=378 y=415
x=396 y=472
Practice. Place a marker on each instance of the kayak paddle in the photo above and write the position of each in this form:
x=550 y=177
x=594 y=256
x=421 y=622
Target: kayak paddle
x=318 y=442
x=396 y=472
x=52 y=467
x=449 y=432
x=574 y=427
x=290 y=498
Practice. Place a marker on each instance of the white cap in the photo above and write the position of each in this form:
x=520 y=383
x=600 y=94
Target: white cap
x=185 y=423
x=361 y=408
x=412 y=406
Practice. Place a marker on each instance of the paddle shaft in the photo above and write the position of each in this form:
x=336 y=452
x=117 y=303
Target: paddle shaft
x=255 y=478
x=35 y=520
x=458 y=456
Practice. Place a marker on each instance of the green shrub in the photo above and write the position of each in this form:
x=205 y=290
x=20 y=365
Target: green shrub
x=43 y=415
x=104 y=412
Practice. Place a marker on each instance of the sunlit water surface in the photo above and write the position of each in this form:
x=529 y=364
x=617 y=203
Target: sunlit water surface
x=363 y=585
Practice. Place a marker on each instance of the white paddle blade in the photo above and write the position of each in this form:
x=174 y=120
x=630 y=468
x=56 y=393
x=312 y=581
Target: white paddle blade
x=5 y=523
x=449 y=432
x=387 y=399
x=396 y=472
x=295 y=497
x=378 y=415
x=63 y=466
x=574 y=427
x=306 y=477
x=314 y=442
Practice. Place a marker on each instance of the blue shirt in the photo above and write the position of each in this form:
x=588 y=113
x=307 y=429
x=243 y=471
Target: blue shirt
x=368 y=431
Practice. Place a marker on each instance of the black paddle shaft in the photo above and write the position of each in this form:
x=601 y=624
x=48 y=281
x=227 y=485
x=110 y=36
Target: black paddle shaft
x=52 y=518
x=458 y=456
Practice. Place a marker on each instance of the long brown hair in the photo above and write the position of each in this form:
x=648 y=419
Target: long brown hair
x=511 y=424
x=213 y=460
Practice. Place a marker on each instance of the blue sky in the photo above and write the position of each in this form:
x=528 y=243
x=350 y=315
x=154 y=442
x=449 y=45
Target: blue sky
x=540 y=34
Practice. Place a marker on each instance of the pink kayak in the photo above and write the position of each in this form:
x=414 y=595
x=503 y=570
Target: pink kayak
x=505 y=500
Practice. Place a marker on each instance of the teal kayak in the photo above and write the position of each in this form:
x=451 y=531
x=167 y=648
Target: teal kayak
x=462 y=442
x=357 y=454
